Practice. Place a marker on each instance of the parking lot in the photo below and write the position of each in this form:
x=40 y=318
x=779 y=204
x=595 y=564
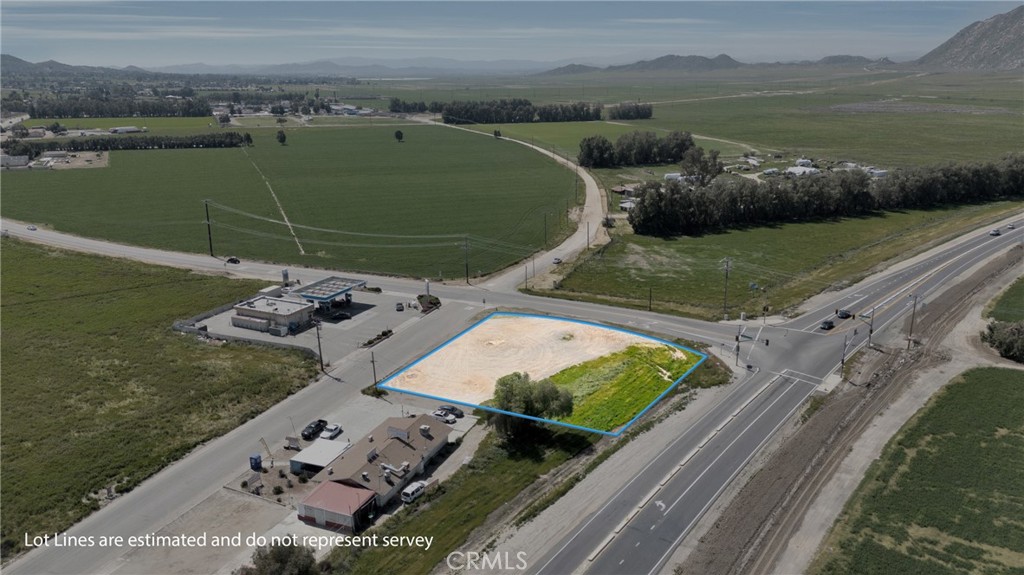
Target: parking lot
x=371 y=314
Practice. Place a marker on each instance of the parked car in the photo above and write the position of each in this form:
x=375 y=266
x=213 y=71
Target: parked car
x=995 y=232
x=331 y=431
x=234 y=260
x=844 y=314
x=444 y=416
x=341 y=315
x=314 y=429
x=452 y=410
x=399 y=306
x=827 y=325
x=31 y=228
x=413 y=490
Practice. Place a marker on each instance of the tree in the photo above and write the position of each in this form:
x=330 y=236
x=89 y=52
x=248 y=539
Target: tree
x=596 y=152
x=516 y=393
x=280 y=560
x=702 y=168
x=399 y=135
x=281 y=137
x=247 y=138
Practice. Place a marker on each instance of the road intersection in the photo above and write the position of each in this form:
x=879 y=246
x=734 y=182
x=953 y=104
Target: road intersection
x=638 y=528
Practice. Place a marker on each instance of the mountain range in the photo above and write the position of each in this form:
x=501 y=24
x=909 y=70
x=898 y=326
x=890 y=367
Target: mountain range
x=993 y=44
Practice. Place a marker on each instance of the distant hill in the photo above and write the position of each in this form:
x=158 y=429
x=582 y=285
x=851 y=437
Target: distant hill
x=993 y=44
x=844 y=60
x=11 y=66
x=680 y=64
x=569 y=69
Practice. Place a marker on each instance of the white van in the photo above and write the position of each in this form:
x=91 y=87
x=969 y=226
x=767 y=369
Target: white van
x=413 y=490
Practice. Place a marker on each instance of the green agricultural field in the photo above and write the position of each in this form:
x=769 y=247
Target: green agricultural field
x=156 y=126
x=610 y=391
x=945 y=496
x=1010 y=305
x=99 y=392
x=563 y=138
x=792 y=261
x=846 y=125
x=356 y=199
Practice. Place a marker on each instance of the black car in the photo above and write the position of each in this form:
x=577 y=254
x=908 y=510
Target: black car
x=827 y=324
x=341 y=316
x=452 y=410
x=234 y=260
x=844 y=314
x=314 y=429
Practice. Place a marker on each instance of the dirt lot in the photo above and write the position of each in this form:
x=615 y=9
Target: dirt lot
x=82 y=160
x=466 y=369
x=753 y=531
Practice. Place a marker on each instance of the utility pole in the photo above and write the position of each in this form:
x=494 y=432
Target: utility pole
x=465 y=247
x=842 y=360
x=588 y=234
x=913 y=313
x=545 y=230
x=526 y=275
x=209 y=232
x=319 y=349
x=373 y=364
x=650 y=297
x=727 y=266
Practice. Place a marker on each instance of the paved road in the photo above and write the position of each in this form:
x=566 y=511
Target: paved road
x=784 y=374
x=639 y=527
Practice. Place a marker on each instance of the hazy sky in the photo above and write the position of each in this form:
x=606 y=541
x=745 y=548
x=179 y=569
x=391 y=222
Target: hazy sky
x=155 y=33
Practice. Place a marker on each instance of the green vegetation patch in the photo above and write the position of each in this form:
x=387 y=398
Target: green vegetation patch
x=99 y=392
x=1010 y=305
x=792 y=261
x=945 y=496
x=611 y=390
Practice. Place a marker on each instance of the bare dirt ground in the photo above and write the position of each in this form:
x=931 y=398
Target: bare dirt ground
x=83 y=160
x=466 y=369
x=774 y=519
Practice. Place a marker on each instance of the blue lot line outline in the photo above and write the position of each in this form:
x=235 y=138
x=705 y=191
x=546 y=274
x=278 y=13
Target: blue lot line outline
x=540 y=419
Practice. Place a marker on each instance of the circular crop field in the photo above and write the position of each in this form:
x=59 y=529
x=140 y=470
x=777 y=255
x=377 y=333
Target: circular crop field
x=354 y=198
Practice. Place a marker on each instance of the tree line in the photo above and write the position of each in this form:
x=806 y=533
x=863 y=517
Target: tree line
x=631 y=111
x=117 y=108
x=103 y=143
x=671 y=208
x=634 y=149
x=505 y=111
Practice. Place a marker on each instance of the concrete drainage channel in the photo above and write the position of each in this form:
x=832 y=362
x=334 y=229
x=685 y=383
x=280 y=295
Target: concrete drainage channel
x=650 y=496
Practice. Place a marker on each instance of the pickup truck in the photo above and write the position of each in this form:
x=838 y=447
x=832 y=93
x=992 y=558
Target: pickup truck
x=314 y=429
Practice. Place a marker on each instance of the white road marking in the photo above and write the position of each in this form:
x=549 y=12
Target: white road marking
x=660 y=504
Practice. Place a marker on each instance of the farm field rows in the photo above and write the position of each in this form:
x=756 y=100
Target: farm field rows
x=377 y=205
x=99 y=392
x=792 y=261
x=945 y=495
